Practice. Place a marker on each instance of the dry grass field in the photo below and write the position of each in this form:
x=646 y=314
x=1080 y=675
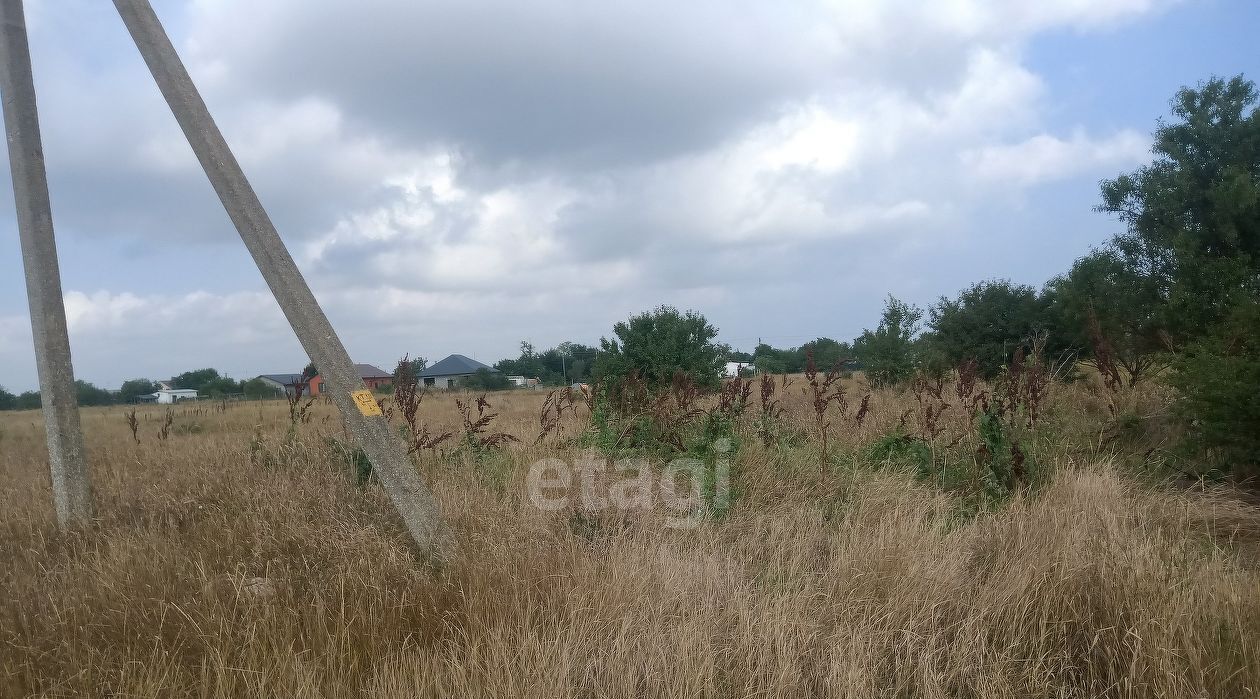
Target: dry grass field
x=238 y=557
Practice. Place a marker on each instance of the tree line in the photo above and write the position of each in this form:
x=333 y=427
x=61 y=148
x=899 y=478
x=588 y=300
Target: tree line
x=566 y=363
x=208 y=383
x=1174 y=298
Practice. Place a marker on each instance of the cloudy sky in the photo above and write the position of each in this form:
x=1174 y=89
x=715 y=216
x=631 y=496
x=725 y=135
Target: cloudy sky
x=458 y=176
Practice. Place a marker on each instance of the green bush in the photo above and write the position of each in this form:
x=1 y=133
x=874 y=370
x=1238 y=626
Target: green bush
x=1218 y=379
x=901 y=450
x=888 y=353
x=657 y=345
x=987 y=322
x=485 y=380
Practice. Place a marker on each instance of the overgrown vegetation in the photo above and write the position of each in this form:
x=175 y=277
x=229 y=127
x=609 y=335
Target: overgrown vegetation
x=656 y=346
x=991 y=518
x=1219 y=381
x=888 y=353
x=485 y=380
x=408 y=396
x=988 y=508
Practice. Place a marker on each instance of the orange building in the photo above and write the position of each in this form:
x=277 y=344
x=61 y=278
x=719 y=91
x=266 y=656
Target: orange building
x=373 y=377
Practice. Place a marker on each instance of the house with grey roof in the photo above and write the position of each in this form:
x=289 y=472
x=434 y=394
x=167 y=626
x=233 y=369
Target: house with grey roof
x=281 y=383
x=448 y=372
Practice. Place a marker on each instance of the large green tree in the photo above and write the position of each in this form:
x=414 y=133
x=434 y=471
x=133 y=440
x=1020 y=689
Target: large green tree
x=659 y=343
x=529 y=364
x=888 y=353
x=986 y=322
x=208 y=382
x=577 y=360
x=1116 y=295
x=827 y=352
x=417 y=365
x=89 y=394
x=8 y=401
x=257 y=388
x=566 y=362
x=774 y=361
x=222 y=386
x=195 y=379
x=1184 y=280
x=134 y=388
x=1195 y=210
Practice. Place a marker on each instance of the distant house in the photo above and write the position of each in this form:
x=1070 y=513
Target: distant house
x=734 y=369
x=448 y=372
x=166 y=396
x=373 y=377
x=282 y=383
x=517 y=381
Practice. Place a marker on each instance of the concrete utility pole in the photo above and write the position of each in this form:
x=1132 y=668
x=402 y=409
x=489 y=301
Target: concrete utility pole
x=359 y=409
x=71 y=490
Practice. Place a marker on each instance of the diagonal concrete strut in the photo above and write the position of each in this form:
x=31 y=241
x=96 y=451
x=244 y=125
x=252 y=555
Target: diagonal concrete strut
x=383 y=447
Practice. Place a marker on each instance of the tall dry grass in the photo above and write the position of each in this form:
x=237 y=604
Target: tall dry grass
x=212 y=571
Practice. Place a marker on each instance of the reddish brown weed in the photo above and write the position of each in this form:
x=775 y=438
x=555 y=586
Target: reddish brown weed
x=408 y=396
x=551 y=414
x=133 y=424
x=476 y=432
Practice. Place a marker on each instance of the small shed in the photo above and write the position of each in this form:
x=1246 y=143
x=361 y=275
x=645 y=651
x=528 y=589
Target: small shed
x=167 y=396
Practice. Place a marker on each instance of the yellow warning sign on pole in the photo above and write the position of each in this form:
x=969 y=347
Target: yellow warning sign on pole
x=366 y=403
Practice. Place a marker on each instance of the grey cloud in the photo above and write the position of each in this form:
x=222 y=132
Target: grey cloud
x=636 y=140
x=557 y=82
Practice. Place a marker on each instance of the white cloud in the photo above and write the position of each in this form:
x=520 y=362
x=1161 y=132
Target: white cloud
x=985 y=19
x=449 y=160
x=15 y=333
x=104 y=312
x=1044 y=157
x=115 y=336
x=864 y=161
x=120 y=335
x=814 y=139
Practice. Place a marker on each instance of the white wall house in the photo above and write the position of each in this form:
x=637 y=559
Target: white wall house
x=448 y=372
x=734 y=369
x=175 y=395
x=282 y=383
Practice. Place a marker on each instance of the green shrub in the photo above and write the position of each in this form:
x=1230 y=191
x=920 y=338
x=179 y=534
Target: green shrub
x=1218 y=379
x=900 y=449
x=657 y=345
x=485 y=380
x=888 y=353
